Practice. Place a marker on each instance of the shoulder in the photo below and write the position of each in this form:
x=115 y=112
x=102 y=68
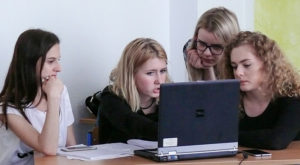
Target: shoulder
x=108 y=93
x=65 y=91
x=288 y=100
x=109 y=100
x=65 y=98
x=187 y=45
x=106 y=90
x=288 y=104
x=11 y=110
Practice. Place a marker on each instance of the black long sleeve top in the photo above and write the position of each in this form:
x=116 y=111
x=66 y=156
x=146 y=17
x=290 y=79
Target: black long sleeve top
x=118 y=123
x=275 y=128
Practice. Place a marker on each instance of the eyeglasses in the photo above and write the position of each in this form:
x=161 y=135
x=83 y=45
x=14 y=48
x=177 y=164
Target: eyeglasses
x=215 y=49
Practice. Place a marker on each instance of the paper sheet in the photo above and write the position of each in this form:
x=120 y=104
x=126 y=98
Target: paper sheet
x=145 y=144
x=104 y=151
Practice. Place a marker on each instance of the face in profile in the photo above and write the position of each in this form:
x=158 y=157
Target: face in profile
x=209 y=48
x=149 y=76
x=247 y=67
x=52 y=63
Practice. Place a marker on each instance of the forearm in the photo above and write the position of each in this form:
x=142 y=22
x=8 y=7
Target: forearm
x=273 y=139
x=141 y=126
x=133 y=124
x=48 y=138
x=209 y=74
x=70 y=136
x=149 y=131
x=120 y=116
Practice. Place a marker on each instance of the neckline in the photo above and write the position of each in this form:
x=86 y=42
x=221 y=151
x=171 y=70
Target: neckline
x=153 y=100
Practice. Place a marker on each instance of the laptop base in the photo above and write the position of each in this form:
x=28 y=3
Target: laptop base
x=152 y=154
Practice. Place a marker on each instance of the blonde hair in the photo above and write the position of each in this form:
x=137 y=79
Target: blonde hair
x=135 y=54
x=282 y=79
x=222 y=23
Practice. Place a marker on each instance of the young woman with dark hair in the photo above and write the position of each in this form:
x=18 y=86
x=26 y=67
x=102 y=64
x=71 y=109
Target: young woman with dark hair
x=35 y=110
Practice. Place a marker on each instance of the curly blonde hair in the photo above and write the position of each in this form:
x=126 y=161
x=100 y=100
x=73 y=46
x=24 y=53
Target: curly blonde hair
x=135 y=54
x=222 y=23
x=281 y=77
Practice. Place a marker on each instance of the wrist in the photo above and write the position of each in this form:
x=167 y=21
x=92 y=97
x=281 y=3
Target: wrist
x=208 y=68
x=53 y=96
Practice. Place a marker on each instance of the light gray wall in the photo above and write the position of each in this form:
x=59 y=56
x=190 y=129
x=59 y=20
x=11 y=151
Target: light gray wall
x=93 y=34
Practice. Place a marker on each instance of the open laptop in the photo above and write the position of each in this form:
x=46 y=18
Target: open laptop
x=196 y=120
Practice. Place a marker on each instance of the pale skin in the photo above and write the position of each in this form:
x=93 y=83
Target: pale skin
x=204 y=60
x=248 y=68
x=148 y=78
x=46 y=141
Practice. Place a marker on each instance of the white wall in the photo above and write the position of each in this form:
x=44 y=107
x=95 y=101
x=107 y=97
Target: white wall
x=183 y=17
x=93 y=34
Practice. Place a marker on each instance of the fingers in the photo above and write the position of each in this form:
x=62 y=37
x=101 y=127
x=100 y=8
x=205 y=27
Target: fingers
x=194 y=59
x=48 y=78
x=45 y=78
x=52 y=86
x=192 y=55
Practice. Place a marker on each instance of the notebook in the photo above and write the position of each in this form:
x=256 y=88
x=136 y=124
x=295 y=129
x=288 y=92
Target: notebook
x=196 y=120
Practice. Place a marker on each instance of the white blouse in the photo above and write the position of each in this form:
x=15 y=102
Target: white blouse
x=10 y=144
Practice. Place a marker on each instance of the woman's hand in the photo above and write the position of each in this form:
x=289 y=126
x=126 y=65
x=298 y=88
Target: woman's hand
x=52 y=86
x=195 y=60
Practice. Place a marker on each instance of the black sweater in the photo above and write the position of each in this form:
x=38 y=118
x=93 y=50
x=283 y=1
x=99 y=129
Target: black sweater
x=275 y=128
x=118 y=123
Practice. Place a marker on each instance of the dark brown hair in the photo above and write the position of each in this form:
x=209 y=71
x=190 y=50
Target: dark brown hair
x=22 y=80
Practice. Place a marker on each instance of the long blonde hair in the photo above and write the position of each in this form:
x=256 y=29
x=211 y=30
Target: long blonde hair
x=222 y=23
x=282 y=79
x=135 y=54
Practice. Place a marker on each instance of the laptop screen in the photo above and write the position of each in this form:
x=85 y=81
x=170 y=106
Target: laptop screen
x=198 y=113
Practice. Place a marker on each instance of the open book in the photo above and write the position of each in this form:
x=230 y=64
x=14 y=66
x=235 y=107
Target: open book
x=108 y=151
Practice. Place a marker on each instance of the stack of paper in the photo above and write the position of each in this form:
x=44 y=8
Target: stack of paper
x=103 y=151
x=144 y=144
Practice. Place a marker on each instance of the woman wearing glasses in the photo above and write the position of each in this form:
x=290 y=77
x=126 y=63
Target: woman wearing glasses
x=202 y=53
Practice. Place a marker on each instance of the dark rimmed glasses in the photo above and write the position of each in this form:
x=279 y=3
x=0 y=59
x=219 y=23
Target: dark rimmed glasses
x=215 y=49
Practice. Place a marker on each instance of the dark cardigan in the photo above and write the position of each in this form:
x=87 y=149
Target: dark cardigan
x=118 y=123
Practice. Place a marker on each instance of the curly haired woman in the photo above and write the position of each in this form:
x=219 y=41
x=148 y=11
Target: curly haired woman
x=270 y=90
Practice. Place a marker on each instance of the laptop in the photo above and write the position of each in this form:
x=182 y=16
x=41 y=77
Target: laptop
x=196 y=120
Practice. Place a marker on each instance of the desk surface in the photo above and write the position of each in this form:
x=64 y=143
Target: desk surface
x=291 y=155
